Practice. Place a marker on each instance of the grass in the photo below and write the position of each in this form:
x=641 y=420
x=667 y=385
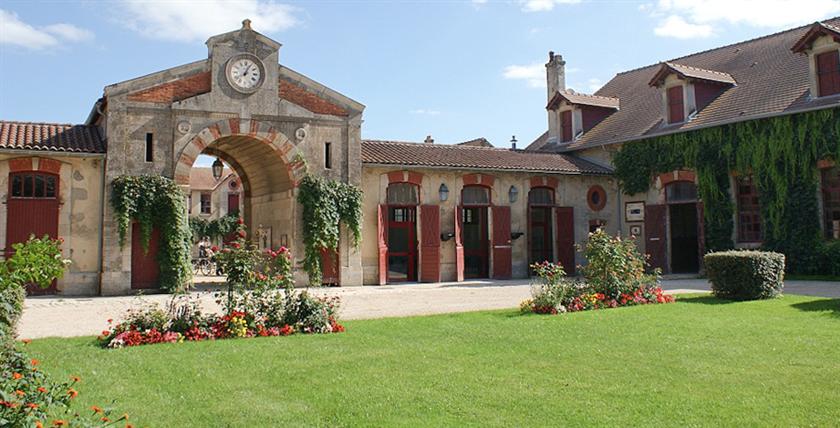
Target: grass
x=698 y=362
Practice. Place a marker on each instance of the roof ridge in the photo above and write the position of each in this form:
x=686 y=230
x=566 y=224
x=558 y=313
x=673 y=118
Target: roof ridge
x=23 y=122
x=766 y=36
x=698 y=68
x=587 y=95
x=450 y=146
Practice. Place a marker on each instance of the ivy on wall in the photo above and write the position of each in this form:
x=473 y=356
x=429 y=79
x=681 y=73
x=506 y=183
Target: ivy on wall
x=780 y=153
x=156 y=202
x=326 y=205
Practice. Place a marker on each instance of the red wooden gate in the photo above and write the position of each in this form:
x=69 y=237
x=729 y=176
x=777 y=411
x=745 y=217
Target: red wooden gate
x=501 y=242
x=459 y=244
x=33 y=206
x=656 y=246
x=430 y=245
x=381 y=225
x=329 y=267
x=145 y=271
x=565 y=217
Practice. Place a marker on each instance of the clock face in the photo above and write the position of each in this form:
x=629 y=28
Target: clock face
x=244 y=73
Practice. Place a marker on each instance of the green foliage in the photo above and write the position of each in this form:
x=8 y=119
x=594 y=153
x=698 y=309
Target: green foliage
x=830 y=256
x=745 y=275
x=155 y=201
x=326 y=205
x=780 y=153
x=614 y=265
x=552 y=291
x=214 y=229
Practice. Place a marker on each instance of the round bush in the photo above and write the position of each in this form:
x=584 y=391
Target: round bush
x=745 y=275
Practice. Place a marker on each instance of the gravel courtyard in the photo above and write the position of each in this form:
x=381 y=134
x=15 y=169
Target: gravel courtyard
x=80 y=316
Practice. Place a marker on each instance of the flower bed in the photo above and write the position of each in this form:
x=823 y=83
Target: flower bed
x=614 y=277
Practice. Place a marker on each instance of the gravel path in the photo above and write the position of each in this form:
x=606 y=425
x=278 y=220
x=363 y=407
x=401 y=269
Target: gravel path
x=80 y=316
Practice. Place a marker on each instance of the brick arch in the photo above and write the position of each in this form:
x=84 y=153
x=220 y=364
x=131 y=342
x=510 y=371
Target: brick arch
x=544 y=181
x=485 y=180
x=259 y=131
x=679 y=175
x=412 y=177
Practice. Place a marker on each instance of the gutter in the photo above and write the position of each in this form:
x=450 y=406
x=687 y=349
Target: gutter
x=51 y=153
x=450 y=168
x=709 y=125
x=102 y=226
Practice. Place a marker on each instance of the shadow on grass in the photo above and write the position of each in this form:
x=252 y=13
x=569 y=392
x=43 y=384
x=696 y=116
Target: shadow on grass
x=832 y=306
x=705 y=299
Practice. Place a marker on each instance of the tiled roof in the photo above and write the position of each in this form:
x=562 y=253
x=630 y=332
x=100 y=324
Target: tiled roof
x=51 y=137
x=471 y=157
x=583 y=99
x=772 y=80
x=201 y=178
x=476 y=142
x=691 y=72
x=816 y=29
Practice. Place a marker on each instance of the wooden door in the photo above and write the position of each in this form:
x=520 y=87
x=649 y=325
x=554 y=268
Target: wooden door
x=329 y=267
x=656 y=246
x=233 y=203
x=476 y=242
x=502 y=268
x=33 y=206
x=565 y=217
x=402 y=244
x=459 y=244
x=145 y=270
x=540 y=245
x=430 y=243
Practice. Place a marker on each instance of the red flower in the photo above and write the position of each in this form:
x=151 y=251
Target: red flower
x=240 y=221
x=72 y=393
x=42 y=389
x=241 y=233
x=26 y=341
x=32 y=405
x=96 y=409
x=34 y=362
x=214 y=248
x=75 y=378
x=19 y=393
x=16 y=376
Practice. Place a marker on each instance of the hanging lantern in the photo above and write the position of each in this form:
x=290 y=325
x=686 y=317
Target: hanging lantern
x=218 y=167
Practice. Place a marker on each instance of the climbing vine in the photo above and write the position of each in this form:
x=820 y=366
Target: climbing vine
x=780 y=153
x=214 y=229
x=156 y=202
x=326 y=205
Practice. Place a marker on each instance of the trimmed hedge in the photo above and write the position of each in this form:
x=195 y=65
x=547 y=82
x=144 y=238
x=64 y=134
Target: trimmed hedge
x=830 y=255
x=745 y=275
x=11 y=306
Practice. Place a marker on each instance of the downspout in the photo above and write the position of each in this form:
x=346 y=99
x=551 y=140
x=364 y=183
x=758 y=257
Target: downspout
x=102 y=194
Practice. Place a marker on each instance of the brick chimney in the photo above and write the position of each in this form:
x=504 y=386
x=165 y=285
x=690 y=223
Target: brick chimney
x=429 y=140
x=555 y=74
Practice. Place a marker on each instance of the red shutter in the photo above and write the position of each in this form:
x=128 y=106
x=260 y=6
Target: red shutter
x=329 y=267
x=381 y=226
x=675 y=104
x=459 y=244
x=655 y=236
x=430 y=246
x=565 y=217
x=145 y=271
x=828 y=73
x=566 y=125
x=501 y=242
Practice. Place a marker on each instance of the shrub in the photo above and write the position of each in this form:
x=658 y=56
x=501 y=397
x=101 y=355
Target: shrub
x=830 y=257
x=745 y=275
x=614 y=265
x=552 y=291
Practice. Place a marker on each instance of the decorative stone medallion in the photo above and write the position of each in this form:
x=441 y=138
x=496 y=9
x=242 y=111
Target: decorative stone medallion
x=184 y=126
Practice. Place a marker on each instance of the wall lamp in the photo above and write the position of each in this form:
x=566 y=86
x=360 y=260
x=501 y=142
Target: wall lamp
x=516 y=235
x=443 y=192
x=513 y=194
x=446 y=236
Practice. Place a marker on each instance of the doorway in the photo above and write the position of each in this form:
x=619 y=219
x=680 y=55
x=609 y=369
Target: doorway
x=540 y=245
x=476 y=248
x=402 y=244
x=684 y=239
x=233 y=203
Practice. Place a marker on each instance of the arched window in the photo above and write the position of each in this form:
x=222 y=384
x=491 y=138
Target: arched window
x=475 y=195
x=541 y=196
x=403 y=194
x=681 y=191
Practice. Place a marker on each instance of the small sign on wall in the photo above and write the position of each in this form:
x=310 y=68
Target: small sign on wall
x=634 y=211
x=636 y=230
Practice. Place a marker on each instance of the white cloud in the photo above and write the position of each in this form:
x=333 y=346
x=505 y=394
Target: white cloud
x=479 y=2
x=19 y=33
x=533 y=74
x=187 y=21
x=427 y=112
x=693 y=18
x=675 y=26
x=543 y=5
x=594 y=84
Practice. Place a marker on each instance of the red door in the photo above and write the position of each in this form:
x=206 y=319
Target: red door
x=566 y=238
x=233 y=203
x=430 y=243
x=329 y=267
x=402 y=243
x=145 y=271
x=656 y=246
x=32 y=210
x=501 y=243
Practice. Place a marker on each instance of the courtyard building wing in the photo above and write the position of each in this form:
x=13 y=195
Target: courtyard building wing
x=52 y=137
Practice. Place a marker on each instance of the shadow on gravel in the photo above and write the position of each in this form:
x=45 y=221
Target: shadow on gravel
x=832 y=306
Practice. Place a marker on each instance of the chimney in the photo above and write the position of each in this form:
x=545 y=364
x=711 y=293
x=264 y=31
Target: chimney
x=429 y=140
x=513 y=141
x=555 y=73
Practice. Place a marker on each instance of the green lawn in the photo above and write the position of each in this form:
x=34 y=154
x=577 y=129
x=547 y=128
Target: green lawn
x=697 y=362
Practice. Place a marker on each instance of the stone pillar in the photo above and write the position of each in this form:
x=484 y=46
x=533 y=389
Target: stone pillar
x=555 y=72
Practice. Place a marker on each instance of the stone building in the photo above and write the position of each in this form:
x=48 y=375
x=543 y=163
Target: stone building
x=211 y=199
x=432 y=212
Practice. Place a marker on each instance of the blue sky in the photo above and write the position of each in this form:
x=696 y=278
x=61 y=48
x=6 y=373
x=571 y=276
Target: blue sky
x=455 y=70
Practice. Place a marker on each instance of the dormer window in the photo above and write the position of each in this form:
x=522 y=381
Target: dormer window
x=828 y=73
x=578 y=113
x=676 y=110
x=822 y=45
x=566 y=126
